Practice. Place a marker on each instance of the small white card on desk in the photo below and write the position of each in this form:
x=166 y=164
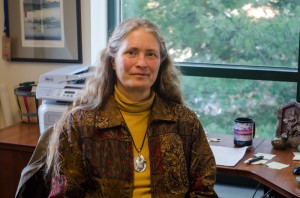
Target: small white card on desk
x=297 y=156
x=262 y=161
x=277 y=165
x=266 y=155
x=266 y=158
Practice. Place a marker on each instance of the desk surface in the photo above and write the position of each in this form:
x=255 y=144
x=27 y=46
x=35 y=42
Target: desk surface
x=17 y=143
x=283 y=181
x=20 y=136
x=227 y=141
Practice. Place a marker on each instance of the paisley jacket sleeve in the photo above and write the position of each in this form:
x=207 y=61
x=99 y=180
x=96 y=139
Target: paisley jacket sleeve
x=202 y=165
x=70 y=182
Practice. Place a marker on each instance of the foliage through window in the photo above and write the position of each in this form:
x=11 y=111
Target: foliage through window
x=222 y=33
x=257 y=32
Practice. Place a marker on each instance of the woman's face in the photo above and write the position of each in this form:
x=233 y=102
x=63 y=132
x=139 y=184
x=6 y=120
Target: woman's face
x=137 y=63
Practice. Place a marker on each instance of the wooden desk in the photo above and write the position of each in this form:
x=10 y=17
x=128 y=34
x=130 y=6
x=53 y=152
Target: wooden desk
x=227 y=141
x=17 y=143
x=282 y=181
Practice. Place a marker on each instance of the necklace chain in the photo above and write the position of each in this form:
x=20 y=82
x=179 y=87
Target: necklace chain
x=139 y=150
x=139 y=161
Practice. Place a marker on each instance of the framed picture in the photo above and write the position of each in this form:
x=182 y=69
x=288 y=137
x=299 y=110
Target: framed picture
x=45 y=30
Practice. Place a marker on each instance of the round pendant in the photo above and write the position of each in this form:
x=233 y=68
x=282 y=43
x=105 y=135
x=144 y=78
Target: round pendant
x=139 y=163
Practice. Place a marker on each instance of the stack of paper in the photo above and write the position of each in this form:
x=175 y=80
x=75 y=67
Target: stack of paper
x=227 y=156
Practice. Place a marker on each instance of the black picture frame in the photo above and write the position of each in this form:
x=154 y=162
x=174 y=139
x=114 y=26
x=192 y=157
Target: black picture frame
x=38 y=34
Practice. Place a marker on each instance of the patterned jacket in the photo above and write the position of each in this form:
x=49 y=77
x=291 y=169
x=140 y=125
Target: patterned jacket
x=97 y=158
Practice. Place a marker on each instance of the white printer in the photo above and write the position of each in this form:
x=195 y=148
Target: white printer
x=58 y=89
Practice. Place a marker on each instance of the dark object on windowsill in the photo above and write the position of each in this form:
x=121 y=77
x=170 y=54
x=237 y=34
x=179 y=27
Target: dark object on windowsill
x=280 y=142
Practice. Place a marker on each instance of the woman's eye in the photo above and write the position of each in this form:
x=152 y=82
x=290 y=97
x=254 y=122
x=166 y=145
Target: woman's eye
x=131 y=53
x=151 y=54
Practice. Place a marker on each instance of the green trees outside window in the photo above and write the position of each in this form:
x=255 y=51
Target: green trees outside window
x=256 y=40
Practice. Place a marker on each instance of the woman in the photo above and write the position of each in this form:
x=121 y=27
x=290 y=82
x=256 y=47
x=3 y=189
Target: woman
x=129 y=135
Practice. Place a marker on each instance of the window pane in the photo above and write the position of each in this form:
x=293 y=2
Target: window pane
x=243 y=32
x=219 y=101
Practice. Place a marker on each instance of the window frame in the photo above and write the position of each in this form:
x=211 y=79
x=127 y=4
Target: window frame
x=247 y=72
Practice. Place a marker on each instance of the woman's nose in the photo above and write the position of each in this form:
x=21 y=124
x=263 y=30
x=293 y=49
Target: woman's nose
x=142 y=61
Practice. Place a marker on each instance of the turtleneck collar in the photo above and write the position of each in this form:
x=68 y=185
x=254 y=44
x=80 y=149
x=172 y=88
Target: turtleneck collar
x=124 y=104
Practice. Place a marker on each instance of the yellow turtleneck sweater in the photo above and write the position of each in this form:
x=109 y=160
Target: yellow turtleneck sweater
x=136 y=117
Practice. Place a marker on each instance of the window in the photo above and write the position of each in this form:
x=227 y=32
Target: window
x=239 y=58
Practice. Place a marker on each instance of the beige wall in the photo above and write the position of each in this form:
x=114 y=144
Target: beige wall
x=12 y=73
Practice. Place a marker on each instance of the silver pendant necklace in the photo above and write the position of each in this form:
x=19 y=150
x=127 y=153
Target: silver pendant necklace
x=139 y=161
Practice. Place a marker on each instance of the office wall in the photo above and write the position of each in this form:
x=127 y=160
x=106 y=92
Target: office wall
x=93 y=31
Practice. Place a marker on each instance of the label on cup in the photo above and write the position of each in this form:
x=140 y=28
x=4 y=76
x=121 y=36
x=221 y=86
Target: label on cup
x=243 y=131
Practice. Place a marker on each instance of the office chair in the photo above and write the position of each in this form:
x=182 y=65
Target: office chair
x=32 y=182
